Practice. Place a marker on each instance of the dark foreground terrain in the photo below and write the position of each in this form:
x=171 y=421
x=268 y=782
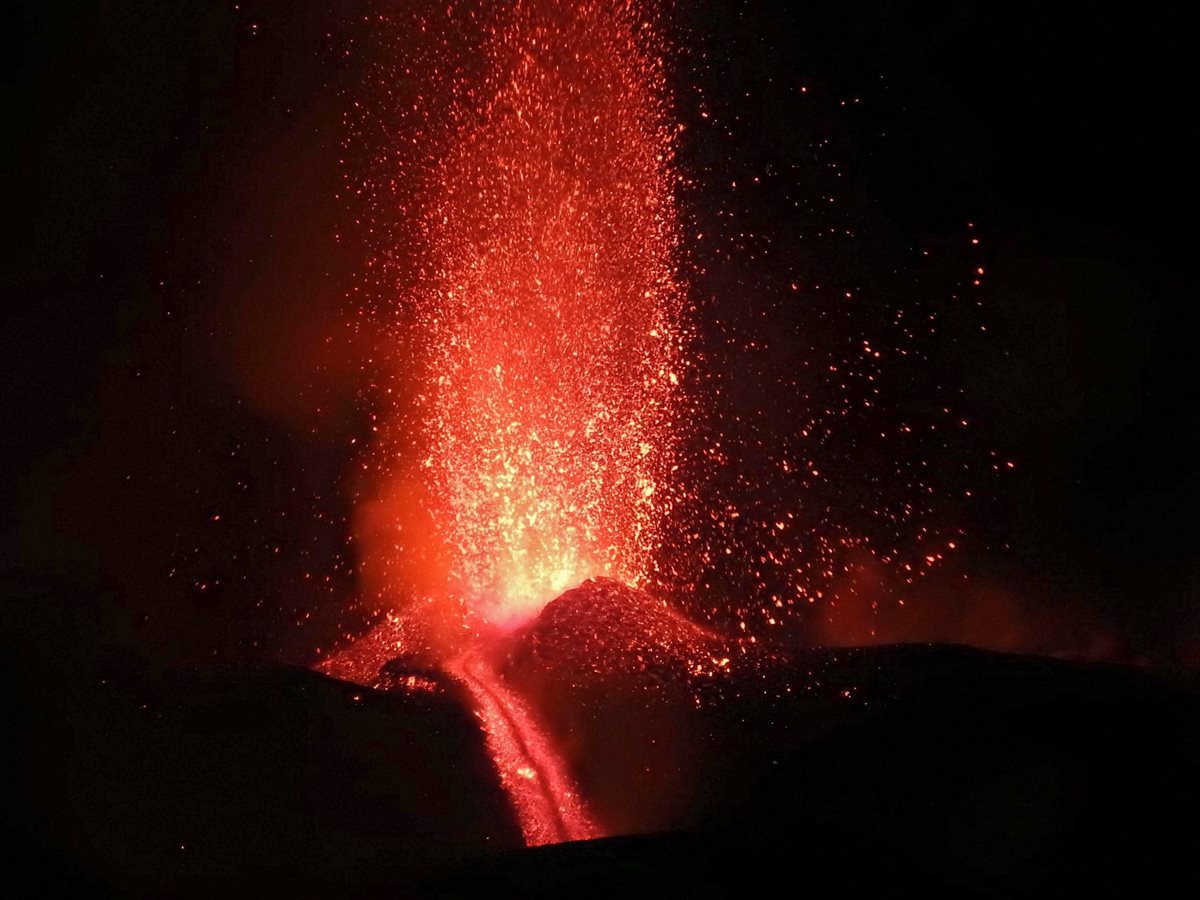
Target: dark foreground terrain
x=891 y=768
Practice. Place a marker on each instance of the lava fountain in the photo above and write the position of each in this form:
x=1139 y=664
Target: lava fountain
x=546 y=323
x=525 y=440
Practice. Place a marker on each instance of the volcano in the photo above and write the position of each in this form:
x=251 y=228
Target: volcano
x=944 y=763
x=713 y=764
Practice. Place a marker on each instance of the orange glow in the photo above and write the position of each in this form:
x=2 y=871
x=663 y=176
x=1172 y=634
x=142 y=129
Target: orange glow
x=550 y=327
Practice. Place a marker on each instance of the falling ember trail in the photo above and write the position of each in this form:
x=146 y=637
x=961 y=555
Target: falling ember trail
x=544 y=798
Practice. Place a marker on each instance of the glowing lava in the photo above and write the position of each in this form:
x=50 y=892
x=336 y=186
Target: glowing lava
x=529 y=426
x=549 y=326
x=544 y=798
x=547 y=803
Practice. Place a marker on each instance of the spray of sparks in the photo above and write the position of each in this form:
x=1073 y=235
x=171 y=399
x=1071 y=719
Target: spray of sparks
x=549 y=319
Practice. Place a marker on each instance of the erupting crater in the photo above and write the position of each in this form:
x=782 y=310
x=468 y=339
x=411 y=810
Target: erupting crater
x=606 y=681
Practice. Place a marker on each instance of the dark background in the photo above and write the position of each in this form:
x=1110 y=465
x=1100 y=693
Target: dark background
x=179 y=387
x=179 y=406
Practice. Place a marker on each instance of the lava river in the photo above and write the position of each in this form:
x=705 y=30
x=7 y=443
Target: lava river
x=546 y=801
x=544 y=798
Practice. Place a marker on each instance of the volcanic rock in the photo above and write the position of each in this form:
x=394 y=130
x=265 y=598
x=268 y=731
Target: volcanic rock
x=884 y=769
x=243 y=779
x=968 y=766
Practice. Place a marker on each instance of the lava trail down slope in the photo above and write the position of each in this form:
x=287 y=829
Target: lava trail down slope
x=546 y=802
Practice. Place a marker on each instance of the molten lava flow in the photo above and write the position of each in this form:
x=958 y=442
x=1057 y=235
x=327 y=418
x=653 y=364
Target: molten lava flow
x=546 y=801
x=547 y=319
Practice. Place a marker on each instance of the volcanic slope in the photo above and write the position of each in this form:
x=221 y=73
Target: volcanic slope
x=964 y=765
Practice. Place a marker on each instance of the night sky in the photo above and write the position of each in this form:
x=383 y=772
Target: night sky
x=180 y=397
